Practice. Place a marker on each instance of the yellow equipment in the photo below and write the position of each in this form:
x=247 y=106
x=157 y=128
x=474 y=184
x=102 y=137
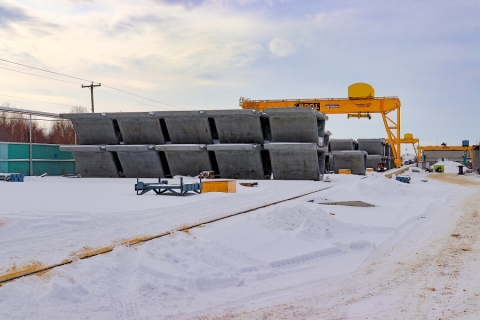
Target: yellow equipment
x=361 y=103
x=468 y=149
x=409 y=139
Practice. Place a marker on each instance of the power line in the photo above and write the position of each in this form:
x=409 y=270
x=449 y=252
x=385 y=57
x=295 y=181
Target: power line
x=36 y=75
x=4 y=95
x=143 y=97
x=113 y=94
x=64 y=75
x=60 y=74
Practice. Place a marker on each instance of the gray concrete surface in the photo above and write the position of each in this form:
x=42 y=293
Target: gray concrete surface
x=372 y=161
x=476 y=158
x=238 y=126
x=296 y=161
x=93 y=128
x=354 y=160
x=239 y=161
x=186 y=159
x=434 y=155
x=140 y=161
x=342 y=144
x=372 y=146
x=187 y=127
x=296 y=124
x=139 y=127
x=93 y=161
x=326 y=139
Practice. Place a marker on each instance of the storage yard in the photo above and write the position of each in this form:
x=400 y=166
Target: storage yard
x=123 y=256
x=245 y=159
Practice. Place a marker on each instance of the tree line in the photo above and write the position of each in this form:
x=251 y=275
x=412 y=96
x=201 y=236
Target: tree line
x=15 y=127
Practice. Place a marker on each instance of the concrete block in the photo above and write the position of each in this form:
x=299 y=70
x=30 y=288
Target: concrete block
x=139 y=161
x=94 y=128
x=187 y=127
x=296 y=161
x=372 y=161
x=341 y=144
x=372 y=146
x=476 y=158
x=139 y=127
x=239 y=161
x=326 y=139
x=186 y=159
x=239 y=126
x=354 y=160
x=93 y=161
x=296 y=124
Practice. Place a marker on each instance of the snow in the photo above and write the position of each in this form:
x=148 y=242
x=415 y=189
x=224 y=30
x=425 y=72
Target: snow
x=285 y=260
x=449 y=166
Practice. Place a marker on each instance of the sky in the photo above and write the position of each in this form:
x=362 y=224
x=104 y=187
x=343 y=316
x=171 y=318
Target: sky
x=205 y=54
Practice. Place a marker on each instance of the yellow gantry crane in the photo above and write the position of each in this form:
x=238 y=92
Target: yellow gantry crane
x=361 y=103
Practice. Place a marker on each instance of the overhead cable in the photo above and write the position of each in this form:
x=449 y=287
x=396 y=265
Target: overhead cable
x=60 y=104
x=36 y=75
x=65 y=75
x=60 y=74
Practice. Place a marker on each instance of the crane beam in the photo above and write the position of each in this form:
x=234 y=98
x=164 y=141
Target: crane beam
x=355 y=107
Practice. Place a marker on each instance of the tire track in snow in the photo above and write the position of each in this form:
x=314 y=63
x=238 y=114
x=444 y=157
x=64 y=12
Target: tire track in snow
x=425 y=274
x=148 y=224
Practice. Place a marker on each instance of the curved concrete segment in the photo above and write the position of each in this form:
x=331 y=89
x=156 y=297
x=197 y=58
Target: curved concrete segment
x=239 y=126
x=139 y=161
x=93 y=128
x=189 y=127
x=354 y=160
x=372 y=161
x=239 y=161
x=139 y=127
x=186 y=159
x=342 y=144
x=372 y=146
x=93 y=161
x=296 y=124
x=326 y=139
x=296 y=161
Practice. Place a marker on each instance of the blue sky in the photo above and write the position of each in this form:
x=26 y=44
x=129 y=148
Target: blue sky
x=196 y=54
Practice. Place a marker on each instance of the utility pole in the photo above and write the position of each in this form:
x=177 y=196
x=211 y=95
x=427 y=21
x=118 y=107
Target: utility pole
x=91 y=91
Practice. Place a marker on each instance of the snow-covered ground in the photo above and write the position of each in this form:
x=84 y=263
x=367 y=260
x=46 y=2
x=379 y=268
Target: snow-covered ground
x=410 y=256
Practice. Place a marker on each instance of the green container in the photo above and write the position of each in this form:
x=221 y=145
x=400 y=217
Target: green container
x=46 y=158
x=439 y=168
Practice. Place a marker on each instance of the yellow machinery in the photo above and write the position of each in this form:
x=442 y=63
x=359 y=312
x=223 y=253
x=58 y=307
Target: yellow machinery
x=415 y=142
x=361 y=103
x=468 y=149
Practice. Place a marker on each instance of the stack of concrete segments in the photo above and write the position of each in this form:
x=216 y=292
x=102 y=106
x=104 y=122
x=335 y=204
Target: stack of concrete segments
x=138 y=160
x=372 y=161
x=476 y=158
x=187 y=127
x=342 y=144
x=94 y=161
x=232 y=143
x=376 y=149
x=139 y=127
x=355 y=160
x=240 y=126
x=94 y=128
x=296 y=161
x=297 y=150
x=186 y=159
x=372 y=146
x=241 y=161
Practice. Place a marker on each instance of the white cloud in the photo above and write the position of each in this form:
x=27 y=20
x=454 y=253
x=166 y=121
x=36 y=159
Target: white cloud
x=281 y=47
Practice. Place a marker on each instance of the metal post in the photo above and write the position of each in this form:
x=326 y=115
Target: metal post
x=31 y=149
x=91 y=92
